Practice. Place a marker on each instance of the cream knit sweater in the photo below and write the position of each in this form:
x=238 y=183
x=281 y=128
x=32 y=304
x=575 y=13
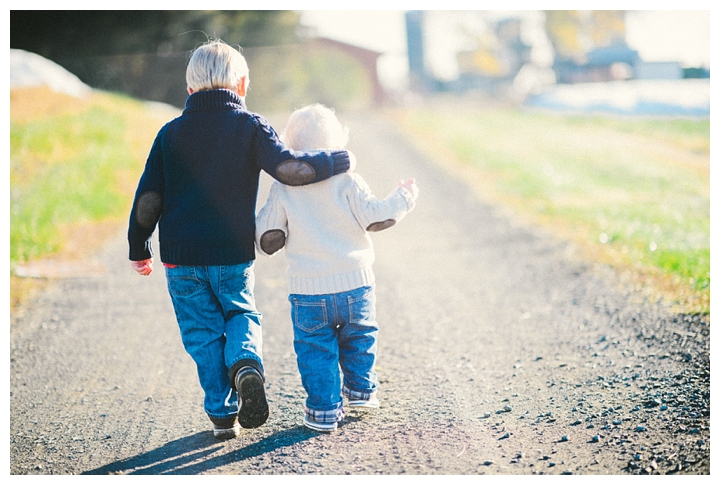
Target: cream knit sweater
x=328 y=248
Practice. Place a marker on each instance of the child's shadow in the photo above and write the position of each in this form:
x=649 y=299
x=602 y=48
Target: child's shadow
x=187 y=456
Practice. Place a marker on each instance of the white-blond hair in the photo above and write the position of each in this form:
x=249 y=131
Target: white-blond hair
x=315 y=127
x=215 y=65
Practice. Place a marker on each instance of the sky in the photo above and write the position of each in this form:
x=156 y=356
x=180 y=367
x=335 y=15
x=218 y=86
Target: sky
x=670 y=35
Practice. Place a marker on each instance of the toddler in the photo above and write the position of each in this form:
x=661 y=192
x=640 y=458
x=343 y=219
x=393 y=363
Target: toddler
x=324 y=229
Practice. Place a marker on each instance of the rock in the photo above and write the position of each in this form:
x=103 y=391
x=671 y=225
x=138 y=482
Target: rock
x=30 y=69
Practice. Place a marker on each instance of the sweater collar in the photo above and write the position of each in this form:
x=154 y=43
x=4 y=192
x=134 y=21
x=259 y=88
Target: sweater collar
x=214 y=99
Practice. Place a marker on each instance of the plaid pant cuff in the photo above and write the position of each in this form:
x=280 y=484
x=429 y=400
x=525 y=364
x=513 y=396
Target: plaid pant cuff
x=357 y=395
x=332 y=416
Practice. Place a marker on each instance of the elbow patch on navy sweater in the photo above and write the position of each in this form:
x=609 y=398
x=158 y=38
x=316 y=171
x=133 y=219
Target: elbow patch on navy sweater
x=379 y=226
x=295 y=172
x=149 y=208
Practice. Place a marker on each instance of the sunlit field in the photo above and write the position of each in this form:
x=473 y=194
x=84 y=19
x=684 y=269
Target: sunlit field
x=74 y=166
x=633 y=193
x=71 y=161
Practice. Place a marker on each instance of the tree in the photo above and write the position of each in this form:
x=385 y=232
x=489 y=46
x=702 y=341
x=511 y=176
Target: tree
x=58 y=34
x=144 y=53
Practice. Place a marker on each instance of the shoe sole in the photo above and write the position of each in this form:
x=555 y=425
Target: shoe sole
x=323 y=428
x=363 y=405
x=254 y=410
x=227 y=434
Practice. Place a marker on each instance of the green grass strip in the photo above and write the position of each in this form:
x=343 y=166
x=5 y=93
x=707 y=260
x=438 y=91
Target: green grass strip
x=640 y=186
x=63 y=170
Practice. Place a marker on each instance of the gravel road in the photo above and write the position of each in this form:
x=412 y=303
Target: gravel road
x=499 y=353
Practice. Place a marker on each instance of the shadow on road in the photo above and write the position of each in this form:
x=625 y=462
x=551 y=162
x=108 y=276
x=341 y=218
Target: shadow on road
x=191 y=455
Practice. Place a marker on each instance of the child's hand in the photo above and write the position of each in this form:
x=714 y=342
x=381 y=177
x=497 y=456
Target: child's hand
x=144 y=267
x=410 y=186
x=353 y=161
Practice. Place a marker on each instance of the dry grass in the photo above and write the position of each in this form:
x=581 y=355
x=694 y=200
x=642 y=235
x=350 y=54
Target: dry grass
x=39 y=102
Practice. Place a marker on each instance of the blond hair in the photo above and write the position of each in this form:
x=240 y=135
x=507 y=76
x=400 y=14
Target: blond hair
x=315 y=127
x=215 y=65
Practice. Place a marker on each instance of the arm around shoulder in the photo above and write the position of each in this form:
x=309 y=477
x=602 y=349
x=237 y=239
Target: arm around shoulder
x=307 y=167
x=292 y=167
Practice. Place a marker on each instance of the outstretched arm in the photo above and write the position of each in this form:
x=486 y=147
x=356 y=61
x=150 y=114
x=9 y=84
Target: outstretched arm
x=376 y=215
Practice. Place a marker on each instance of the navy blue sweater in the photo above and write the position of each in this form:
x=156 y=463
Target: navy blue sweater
x=201 y=178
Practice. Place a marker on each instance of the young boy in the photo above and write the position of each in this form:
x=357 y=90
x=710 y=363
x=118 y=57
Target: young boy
x=324 y=229
x=200 y=183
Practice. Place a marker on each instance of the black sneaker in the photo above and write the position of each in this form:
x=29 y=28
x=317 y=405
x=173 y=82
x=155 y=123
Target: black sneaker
x=254 y=409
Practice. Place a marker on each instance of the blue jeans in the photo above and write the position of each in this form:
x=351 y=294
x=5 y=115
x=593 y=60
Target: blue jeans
x=219 y=326
x=335 y=332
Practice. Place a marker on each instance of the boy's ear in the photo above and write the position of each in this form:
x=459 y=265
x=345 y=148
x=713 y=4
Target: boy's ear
x=242 y=86
x=190 y=90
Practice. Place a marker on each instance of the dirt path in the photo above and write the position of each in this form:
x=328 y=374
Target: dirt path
x=498 y=354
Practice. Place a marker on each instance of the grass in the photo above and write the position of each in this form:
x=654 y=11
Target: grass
x=633 y=193
x=72 y=162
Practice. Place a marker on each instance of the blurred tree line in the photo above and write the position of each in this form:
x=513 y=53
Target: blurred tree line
x=56 y=34
x=144 y=53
